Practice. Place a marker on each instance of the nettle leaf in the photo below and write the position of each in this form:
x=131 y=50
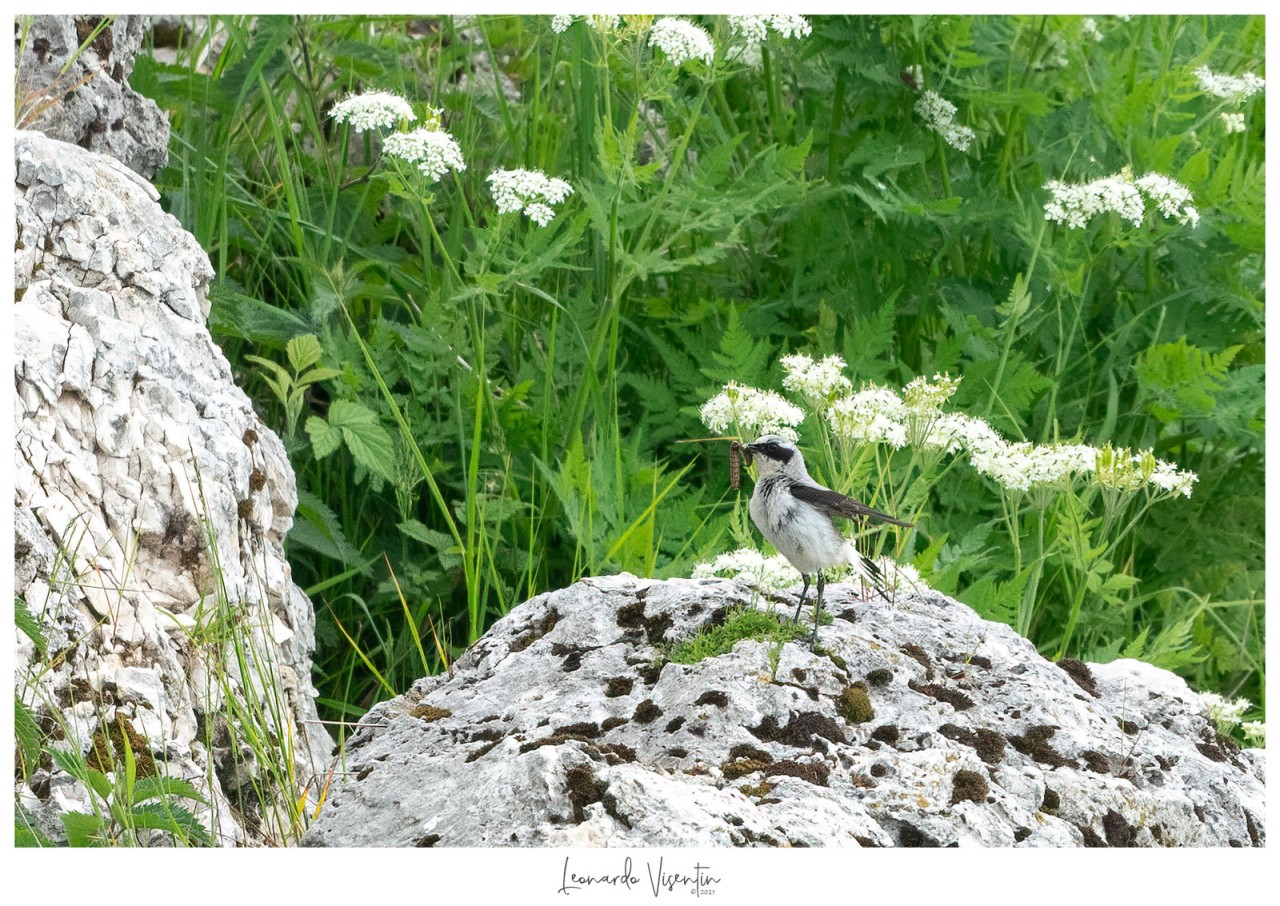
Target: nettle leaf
x=1181 y=380
x=368 y=441
x=303 y=351
x=325 y=438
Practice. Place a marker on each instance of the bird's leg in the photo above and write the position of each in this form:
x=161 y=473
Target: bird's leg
x=817 y=606
x=803 y=594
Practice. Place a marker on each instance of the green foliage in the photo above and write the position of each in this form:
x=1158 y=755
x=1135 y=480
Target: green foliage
x=740 y=623
x=495 y=407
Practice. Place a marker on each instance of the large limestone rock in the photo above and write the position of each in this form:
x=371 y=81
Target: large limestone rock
x=151 y=506
x=90 y=104
x=913 y=724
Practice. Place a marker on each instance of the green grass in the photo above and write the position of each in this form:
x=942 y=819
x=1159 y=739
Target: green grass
x=740 y=623
x=498 y=406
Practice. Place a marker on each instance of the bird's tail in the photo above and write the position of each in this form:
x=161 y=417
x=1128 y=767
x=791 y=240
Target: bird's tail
x=871 y=573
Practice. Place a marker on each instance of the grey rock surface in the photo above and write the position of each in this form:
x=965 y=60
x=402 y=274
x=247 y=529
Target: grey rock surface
x=151 y=505
x=90 y=104
x=915 y=723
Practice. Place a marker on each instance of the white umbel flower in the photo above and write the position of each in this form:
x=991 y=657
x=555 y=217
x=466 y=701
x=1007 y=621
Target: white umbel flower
x=433 y=150
x=873 y=415
x=1232 y=89
x=1076 y=205
x=819 y=382
x=751 y=412
x=939 y=115
x=530 y=191
x=1226 y=713
x=1090 y=29
x=560 y=24
x=750 y=566
x=372 y=110
x=1233 y=122
x=1255 y=733
x=754 y=29
x=682 y=41
x=1171 y=197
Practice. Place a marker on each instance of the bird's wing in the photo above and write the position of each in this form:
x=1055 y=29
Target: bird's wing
x=835 y=504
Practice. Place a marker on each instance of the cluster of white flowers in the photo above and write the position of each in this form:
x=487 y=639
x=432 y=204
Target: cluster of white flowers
x=1090 y=29
x=1171 y=197
x=923 y=396
x=939 y=114
x=1233 y=122
x=873 y=415
x=530 y=191
x=1076 y=205
x=754 y=29
x=765 y=573
x=1226 y=713
x=1232 y=89
x=682 y=41
x=1024 y=466
x=750 y=411
x=819 y=382
x=560 y=24
x=1255 y=732
x=433 y=150
x=372 y=110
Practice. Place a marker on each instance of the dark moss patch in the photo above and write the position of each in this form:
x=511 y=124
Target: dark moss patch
x=912 y=836
x=885 y=733
x=799 y=674
x=969 y=786
x=746 y=750
x=583 y=729
x=741 y=767
x=1200 y=813
x=918 y=654
x=429 y=713
x=953 y=697
x=879 y=769
x=1051 y=802
x=244 y=508
x=249 y=438
x=650 y=672
x=619 y=686
x=427 y=840
x=486 y=735
x=854 y=705
x=698 y=729
x=1118 y=832
x=610 y=803
x=632 y=617
x=1021 y=834
x=257 y=480
x=816 y=774
x=979 y=660
x=616 y=752
x=881 y=676
x=800 y=730
x=1167 y=763
x=1235 y=844
x=572 y=661
x=866 y=842
x=646 y=712
x=675 y=724
x=610 y=722
x=713 y=697
x=584 y=788
x=1211 y=751
x=554 y=739
x=1128 y=726
x=108 y=743
x=1091 y=838
x=482 y=751
x=545 y=625
x=1035 y=744
x=1254 y=836
x=757 y=790
x=1096 y=762
x=837 y=660
x=989 y=744
x=861 y=781
x=678 y=752
x=1080 y=672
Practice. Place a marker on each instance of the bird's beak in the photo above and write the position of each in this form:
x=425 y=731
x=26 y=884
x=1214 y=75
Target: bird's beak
x=750 y=448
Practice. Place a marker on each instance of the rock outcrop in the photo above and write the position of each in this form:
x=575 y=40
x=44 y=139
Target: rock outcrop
x=151 y=506
x=911 y=724
x=79 y=92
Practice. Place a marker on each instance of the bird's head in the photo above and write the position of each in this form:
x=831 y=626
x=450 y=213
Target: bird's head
x=774 y=453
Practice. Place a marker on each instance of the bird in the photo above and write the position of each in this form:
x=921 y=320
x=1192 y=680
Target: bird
x=794 y=513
